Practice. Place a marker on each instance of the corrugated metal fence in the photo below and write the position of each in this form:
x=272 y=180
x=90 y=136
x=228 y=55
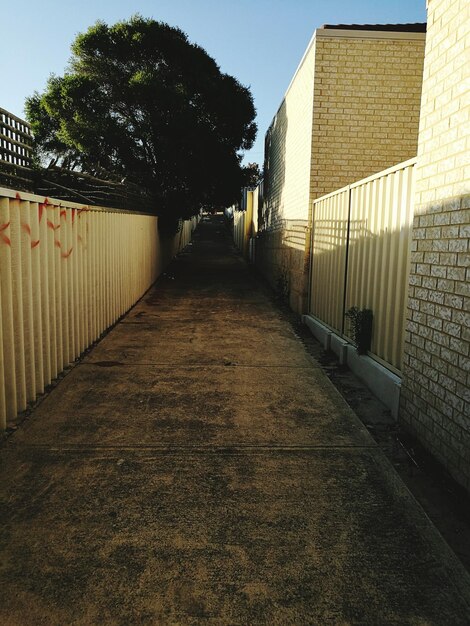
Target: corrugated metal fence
x=360 y=257
x=67 y=273
x=245 y=221
x=239 y=230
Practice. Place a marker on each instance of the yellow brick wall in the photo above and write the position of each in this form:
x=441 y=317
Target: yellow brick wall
x=287 y=163
x=444 y=138
x=351 y=110
x=366 y=106
x=435 y=397
x=282 y=255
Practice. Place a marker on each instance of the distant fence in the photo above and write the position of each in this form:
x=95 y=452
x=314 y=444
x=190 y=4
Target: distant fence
x=67 y=273
x=280 y=253
x=245 y=220
x=239 y=229
x=360 y=257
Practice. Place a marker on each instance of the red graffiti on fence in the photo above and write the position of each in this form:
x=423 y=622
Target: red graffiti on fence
x=64 y=255
x=27 y=229
x=51 y=225
x=4 y=237
x=42 y=206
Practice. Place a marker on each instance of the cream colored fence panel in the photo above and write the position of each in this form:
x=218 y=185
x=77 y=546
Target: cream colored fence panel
x=245 y=221
x=378 y=258
x=329 y=250
x=239 y=228
x=360 y=257
x=67 y=273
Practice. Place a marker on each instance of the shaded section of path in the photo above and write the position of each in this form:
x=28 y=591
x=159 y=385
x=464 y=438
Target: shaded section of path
x=198 y=467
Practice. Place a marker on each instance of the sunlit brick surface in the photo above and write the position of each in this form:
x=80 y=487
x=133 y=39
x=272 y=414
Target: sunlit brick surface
x=435 y=394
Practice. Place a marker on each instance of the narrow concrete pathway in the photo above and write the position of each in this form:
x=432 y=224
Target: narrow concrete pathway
x=197 y=467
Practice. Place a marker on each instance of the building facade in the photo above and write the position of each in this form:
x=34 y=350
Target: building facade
x=435 y=397
x=351 y=110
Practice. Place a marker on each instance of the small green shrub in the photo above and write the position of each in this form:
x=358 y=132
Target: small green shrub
x=360 y=324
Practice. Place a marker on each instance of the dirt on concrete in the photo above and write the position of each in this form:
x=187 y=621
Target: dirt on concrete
x=197 y=466
x=445 y=502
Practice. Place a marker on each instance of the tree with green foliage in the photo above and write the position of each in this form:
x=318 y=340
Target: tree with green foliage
x=139 y=100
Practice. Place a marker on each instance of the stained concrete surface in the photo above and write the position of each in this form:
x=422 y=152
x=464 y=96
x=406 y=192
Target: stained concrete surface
x=198 y=467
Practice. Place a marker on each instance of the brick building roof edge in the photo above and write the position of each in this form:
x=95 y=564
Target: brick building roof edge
x=419 y=27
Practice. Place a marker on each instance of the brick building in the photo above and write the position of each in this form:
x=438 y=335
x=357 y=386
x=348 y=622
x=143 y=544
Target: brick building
x=352 y=109
x=435 y=398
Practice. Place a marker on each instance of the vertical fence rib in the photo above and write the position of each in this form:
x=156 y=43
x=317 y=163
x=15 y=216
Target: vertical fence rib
x=7 y=315
x=345 y=283
x=36 y=285
x=16 y=272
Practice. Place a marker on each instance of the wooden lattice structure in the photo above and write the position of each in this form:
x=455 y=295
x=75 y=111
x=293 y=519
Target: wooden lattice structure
x=15 y=140
x=17 y=172
x=16 y=151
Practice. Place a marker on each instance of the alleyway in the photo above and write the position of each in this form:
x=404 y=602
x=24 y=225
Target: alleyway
x=198 y=467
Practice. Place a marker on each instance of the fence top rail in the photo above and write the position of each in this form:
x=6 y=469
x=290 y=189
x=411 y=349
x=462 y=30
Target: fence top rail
x=363 y=181
x=66 y=204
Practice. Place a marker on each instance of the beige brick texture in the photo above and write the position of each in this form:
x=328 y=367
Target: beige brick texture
x=288 y=148
x=366 y=108
x=351 y=110
x=435 y=402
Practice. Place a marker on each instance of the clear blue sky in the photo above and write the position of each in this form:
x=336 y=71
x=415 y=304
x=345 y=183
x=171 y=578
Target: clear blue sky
x=260 y=42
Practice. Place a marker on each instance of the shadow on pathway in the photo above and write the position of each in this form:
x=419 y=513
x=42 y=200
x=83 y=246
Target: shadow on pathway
x=198 y=467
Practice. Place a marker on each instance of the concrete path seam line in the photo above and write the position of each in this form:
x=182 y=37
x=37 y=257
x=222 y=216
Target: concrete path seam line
x=201 y=365
x=242 y=448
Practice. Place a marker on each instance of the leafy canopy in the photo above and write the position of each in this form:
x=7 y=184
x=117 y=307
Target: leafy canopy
x=141 y=101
